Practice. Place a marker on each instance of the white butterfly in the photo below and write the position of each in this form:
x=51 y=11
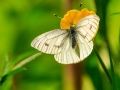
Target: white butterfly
x=64 y=43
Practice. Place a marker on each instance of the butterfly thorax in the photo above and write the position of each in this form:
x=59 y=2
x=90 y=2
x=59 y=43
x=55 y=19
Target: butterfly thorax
x=72 y=36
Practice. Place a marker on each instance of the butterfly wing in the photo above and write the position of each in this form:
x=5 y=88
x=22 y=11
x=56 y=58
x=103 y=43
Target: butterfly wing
x=85 y=47
x=50 y=42
x=88 y=26
x=68 y=54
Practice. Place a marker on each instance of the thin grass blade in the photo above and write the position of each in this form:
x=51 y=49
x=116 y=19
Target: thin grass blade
x=20 y=57
x=112 y=71
x=103 y=65
x=116 y=13
x=119 y=44
x=23 y=62
x=10 y=74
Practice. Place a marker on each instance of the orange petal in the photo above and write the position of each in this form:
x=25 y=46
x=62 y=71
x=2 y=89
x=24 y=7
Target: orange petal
x=73 y=16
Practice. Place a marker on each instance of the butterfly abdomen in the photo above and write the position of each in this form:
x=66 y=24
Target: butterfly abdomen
x=73 y=38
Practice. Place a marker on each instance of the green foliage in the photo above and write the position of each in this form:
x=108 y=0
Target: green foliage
x=22 y=20
x=13 y=68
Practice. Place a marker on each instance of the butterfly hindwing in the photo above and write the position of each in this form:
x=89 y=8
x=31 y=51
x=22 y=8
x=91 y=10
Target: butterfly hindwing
x=50 y=42
x=68 y=54
x=88 y=27
x=85 y=47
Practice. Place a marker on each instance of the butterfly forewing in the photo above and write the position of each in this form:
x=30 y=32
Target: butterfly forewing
x=50 y=42
x=88 y=26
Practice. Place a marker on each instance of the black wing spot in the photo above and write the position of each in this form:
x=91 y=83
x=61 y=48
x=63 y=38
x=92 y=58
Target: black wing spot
x=90 y=27
x=46 y=44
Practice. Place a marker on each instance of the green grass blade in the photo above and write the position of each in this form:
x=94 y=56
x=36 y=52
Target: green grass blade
x=3 y=79
x=112 y=71
x=16 y=71
x=119 y=44
x=115 y=87
x=18 y=67
x=10 y=74
x=20 y=57
x=28 y=59
x=116 y=13
x=103 y=65
x=6 y=65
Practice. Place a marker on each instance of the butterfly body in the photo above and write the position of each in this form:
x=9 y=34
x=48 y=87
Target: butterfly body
x=72 y=36
x=62 y=42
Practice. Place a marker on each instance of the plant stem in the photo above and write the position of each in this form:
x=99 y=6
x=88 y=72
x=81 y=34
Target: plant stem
x=72 y=76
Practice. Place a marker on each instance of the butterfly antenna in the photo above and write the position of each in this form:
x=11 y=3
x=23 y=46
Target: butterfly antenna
x=57 y=16
x=80 y=5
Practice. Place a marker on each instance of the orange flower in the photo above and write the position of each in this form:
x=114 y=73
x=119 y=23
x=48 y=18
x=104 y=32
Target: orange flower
x=73 y=16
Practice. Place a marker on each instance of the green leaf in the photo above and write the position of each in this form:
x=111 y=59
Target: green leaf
x=116 y=13
x=103 y=65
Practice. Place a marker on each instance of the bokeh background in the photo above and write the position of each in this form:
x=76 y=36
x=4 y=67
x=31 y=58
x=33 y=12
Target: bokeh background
x=22 y=20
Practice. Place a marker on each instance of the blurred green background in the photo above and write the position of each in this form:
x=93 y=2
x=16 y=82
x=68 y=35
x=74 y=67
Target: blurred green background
x=22 y=20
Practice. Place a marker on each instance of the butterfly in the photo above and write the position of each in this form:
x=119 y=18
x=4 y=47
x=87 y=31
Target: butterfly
x=73 y=42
